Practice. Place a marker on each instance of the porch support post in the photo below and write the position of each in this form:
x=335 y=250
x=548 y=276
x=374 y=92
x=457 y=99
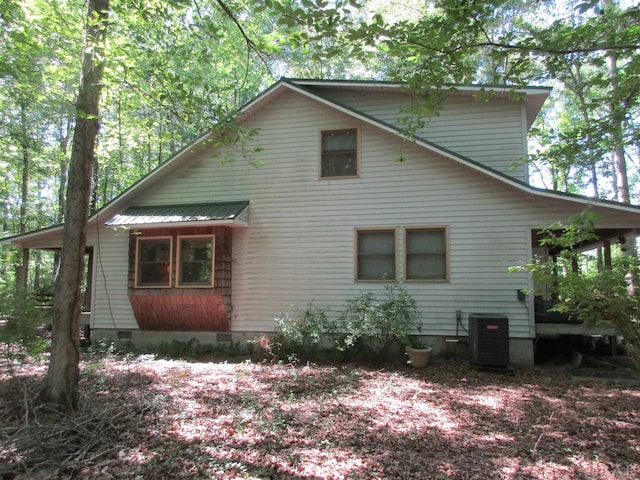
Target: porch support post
x=607 y=253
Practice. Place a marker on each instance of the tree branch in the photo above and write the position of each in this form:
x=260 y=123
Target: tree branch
x=250 y=43
x=540 y=50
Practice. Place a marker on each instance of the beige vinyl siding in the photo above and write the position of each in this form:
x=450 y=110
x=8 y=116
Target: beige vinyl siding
x=490 y=132
x=299 y=246
x=111 y=308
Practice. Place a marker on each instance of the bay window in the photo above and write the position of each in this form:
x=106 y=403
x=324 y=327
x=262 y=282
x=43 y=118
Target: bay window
x=191 y=262
x=153 y=262
x=195 y=261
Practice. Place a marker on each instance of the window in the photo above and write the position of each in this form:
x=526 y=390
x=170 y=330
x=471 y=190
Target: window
x=426 y=253
x=195 y=261
x=339 y=153
x=376 y=255
x=153 y=266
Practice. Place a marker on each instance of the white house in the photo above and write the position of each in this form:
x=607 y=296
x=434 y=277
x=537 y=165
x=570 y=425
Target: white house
x=213 y=247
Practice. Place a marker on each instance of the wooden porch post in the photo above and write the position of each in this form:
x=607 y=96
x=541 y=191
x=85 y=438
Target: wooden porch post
x=607 y=253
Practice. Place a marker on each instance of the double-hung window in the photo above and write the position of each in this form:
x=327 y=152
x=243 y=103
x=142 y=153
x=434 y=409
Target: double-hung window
x=426 y=253
x=195 y=261
x=153 y=262
x=339 y=153
x=376 y=255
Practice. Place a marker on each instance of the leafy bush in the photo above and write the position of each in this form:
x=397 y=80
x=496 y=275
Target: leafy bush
x=22 y=317
x=305 y=329
x=379 y=325
x=103 y=347
x=192 y=349
x=366 y=326
x=296 y=336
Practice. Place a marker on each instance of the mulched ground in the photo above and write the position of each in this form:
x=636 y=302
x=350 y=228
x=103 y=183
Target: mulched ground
x=148 y=418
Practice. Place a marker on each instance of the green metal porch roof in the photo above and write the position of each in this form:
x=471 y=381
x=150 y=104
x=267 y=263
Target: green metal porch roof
x=220 y=212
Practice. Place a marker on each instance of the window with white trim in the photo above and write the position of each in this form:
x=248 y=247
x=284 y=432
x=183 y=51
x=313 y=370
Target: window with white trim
x=339 y=153
x=426 y=253
x=196 y=257
x=376 y=255
x=153 y=262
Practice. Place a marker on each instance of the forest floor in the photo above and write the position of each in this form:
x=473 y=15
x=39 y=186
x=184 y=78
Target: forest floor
x=148 y=418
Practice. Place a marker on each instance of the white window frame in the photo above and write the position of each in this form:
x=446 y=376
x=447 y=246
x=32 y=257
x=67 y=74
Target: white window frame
x=137 y=275
x=179 y=283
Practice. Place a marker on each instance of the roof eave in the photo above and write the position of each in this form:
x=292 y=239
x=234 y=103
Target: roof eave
x=237 y=223
x=474 y=88
x=22 y=239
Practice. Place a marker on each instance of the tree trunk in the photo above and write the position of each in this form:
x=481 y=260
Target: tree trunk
x=22 y=276
x=64 y=138
x=617 y=119
x=61 y=384
x=64 y=149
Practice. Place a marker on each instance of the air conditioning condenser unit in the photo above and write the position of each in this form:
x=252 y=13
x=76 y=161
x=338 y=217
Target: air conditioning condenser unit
x=489 y=339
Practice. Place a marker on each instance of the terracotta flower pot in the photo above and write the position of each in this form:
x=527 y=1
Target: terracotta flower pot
x=419 y=357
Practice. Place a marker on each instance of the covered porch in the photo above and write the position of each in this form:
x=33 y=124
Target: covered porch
x=596 y=254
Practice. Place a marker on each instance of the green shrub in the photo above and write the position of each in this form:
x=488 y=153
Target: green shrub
x=367 y=328
x=194 y=349
x=304 y=331
x=21 y=318
x=103 y=347
x=379 y=326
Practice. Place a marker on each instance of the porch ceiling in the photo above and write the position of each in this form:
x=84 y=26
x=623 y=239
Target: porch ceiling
x=219 y=213
x=613 y=235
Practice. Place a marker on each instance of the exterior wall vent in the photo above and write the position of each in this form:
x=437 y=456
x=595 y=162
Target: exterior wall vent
x=124 y=335
x=489 y=339
x=224 y=338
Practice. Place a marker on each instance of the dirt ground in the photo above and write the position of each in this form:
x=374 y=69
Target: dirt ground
x=143 y=417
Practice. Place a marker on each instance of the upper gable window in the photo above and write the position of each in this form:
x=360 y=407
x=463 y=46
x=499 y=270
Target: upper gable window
x=339 y=157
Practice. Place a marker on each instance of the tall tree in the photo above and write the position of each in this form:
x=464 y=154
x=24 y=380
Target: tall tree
x=25 y=143
x=61 y=383
x=37 y=45
x=463 y=42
